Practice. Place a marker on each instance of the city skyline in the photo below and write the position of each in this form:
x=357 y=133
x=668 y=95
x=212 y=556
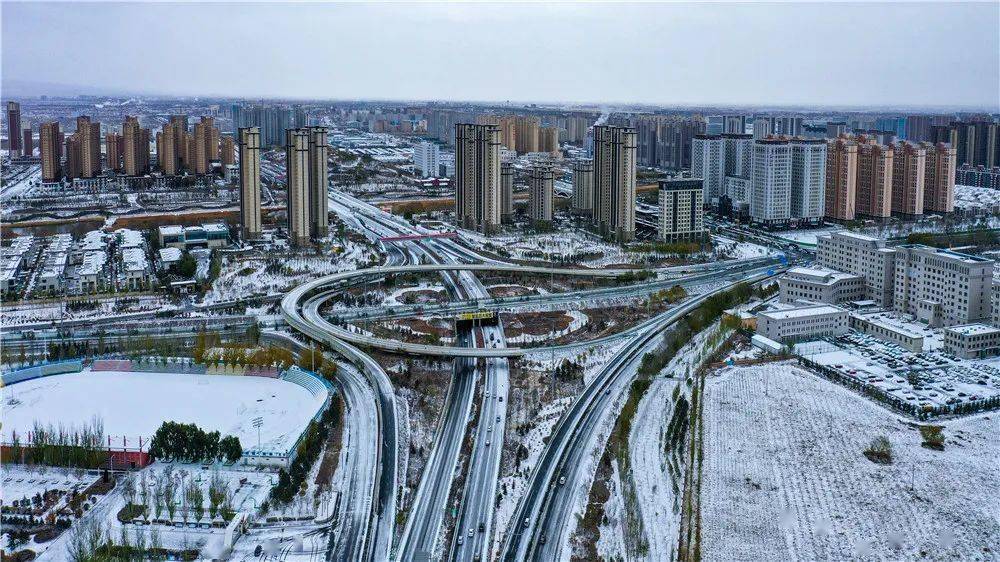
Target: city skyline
x=774 y=55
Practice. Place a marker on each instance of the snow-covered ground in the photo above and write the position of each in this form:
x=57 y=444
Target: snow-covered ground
x=133 y=405
x=807 y=236
x=784 y=477
x=740 y=250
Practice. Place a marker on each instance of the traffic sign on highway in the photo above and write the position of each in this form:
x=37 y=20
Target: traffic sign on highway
x=478 y=315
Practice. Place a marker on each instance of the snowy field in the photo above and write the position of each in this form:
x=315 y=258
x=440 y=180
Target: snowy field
x=807 y=236
x=135 y=404
x=784 y=477
x=740 y=250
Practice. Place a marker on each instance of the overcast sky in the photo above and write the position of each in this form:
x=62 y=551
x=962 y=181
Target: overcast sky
x=755 y=54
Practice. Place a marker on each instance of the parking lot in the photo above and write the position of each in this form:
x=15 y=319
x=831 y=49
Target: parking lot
x=929 y=379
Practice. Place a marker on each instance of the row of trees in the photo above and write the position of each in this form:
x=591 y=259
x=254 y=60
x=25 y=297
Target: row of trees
x=74 y=447
x=186 y=441
x=292 y=481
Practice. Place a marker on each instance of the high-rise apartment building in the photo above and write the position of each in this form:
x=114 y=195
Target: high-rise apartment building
x=427 y=159
x=477 y=177
x=14 y=128
x=297 y=180
x=136 y=152
x=50 y=148
x=681 y=210
x=85 y=158
x=27 y=143
x=808 y=179
x=874 y=180
x=939 y=178
x=734 y=124
x=548 y=140
x=918 y=128
x=506 y=192
x=166 y=150
x=771 y=182
x=788 y=126
x=114 y=145
x=206 y=138
x=250 y=220
x=540 y=206
x=737 y=154
x=526 y=134
x=583 y=187
x=835 y=128
x=841 y=175
x=708 y=162
x=614 y=181
x=227 y=154
x=319 y=182
x=909 y=164
x=179 y=128
x=763 y=127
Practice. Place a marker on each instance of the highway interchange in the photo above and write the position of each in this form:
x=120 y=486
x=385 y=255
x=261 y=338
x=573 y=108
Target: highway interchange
x=474 y=413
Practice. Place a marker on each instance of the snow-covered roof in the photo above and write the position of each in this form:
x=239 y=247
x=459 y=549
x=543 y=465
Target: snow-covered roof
x=134 y=259
x=973 y=329
x=215 y=227
x=802 y=312
x=129 y=238
x=93 y=263
x=170 y=255
x=171 y=230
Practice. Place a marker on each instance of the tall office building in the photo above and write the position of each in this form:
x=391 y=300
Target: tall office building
x=548 y=140
x=681 y=210
x=427 y=159
x=297 y=180
x=614 y=181
x=771 y=182
x=114 y=145
x=27 y=143
x=874 y=180
x=506 y=192
x=227 y=154
x=909 y=165
x=14 y=128
x=808 y=179
x=939 y=178
x=477 y=176
x=583 y=187
x=526 y=134
x=319 y=182
x=250 y=221
x=206 y=139
x=50 y=148
x=841 y=175
x=540 y=183
x=136 y=153
x=708 y=162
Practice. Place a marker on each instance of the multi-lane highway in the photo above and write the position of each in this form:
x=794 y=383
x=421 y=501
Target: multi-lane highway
x=544 y=513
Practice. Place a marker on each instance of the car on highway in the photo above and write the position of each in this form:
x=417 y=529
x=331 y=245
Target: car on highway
x=562 y=480
x=472 y=532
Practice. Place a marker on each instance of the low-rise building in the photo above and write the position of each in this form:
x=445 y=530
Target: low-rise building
x=210 y=235
x=879 y=326
x=790 y=325
x=820 y=285
x=972 y=341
